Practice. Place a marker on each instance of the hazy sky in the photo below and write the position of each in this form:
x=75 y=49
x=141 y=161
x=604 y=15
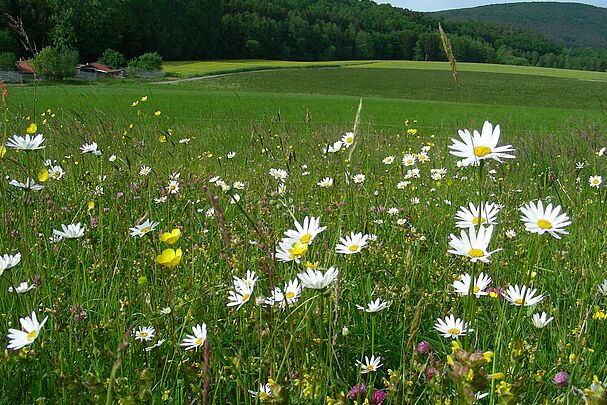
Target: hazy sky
x=435 y=5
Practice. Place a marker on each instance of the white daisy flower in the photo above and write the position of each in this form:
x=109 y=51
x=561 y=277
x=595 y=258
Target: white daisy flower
x=541 y=320
x=19 y=338
x=264 y=393
x=70 y=231
x=146 y=333
x=55 y=172
x=9 y=261
x=451 y=327
x=197 y=339
x=352 y=243
x=89 y=148
x=409 y=159
x=359 y=178
x=316 y=280
x=21 y=288
x=388 y=160
x=537 y=220
x=370 y=364
x=26 y=142
x=306 y=232
x=476 y=147
x=144 y=228
x=473 y=216
x=510 y=233
x=326 y=182
x=279 y=174
x=290 y=250
x=333 y=148
x=348 y=139
x=145 y=170
x=462 y=284
x=522 y=296
x=373 y=306
x=472 y=244
x=595 y=181
x=30 y=184
x=603 y=288
x=173 y=187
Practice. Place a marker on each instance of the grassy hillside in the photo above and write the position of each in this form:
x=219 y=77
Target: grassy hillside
x=571 y=24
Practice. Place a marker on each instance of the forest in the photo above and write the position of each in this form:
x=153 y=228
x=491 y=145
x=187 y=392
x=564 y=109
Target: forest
x=307 y=30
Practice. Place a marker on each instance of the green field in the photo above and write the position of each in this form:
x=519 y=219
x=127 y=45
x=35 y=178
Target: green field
x=99 y=289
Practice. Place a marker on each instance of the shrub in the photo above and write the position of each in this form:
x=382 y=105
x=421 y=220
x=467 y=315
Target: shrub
x=112 y=59
x=147 y=61
x=53 y=64
x=8 y=61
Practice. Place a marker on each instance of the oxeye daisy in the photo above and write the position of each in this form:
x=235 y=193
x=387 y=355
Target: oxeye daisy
x=71 y=231
x=537 y=220
x=352 y=243
x=22 y=288
x=239 y=296
x=595 y=181
x=388 y=160
x=462 y=284
x=522 y=296
x=145 y=170
x=21 y=338
x=197 y=339
x=315 y=279
x=373 y=306
x=452 y=327
x=479 y=146
x=55 y=172
x=541 y=320
x=26 y=142
x=307 y=231
x=602 y=287
x=370 y=364
x=30 y=184
x=472 y=244
x=264 y=394
x=473 y=215
x=89 y=148
x=279 y=174
x=290 y=250
x=144 y=228
x=348 y=139
x=173 y=187
x=359 y=178
x=9 y=261
x=146 y=333
x=409 y=160
x=333 y=148
x=326 y=182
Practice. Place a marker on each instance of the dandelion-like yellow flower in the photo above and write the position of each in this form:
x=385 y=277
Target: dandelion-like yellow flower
x=144 y=98
x=169 y=258
x=32 y=128
x=43 y=175
x=162 y=139
x=90 y=205
x=157 y=113
x=170 y=237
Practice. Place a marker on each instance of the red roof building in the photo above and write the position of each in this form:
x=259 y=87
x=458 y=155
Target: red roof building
x=25 y=67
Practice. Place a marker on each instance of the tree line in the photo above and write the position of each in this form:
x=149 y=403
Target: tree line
x=270 y=29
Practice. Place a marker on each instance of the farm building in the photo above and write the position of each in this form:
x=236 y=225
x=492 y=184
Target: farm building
x=95 y=70
x=24 y=72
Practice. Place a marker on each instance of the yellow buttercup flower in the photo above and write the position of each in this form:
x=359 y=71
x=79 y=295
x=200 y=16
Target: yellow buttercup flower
x=32 y=128
x=135 y=103
x=162 y=139
x=157 y=113
x=169 y=258
x=90 y=205
x=170 y=237
x=144 y=98
x=43 y=175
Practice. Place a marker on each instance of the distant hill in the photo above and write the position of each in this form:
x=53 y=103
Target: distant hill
x=573 y=25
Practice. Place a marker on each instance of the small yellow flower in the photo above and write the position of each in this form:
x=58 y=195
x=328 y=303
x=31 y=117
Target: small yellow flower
x=157 y=113
x=2 y=151
x=170 y=237
x=169 y=258
x=32 y=128
x=135 y=103
x=90 y=205
x=488 y=356
x=162 y=139
x=43 y=175
x=144 y=98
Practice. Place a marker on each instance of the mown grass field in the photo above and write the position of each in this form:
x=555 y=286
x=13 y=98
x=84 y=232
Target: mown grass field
x=100 y=288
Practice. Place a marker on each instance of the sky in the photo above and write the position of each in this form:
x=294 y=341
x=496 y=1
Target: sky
x=436 y=5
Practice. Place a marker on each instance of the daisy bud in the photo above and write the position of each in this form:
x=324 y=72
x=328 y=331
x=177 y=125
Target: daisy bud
x=561 y=379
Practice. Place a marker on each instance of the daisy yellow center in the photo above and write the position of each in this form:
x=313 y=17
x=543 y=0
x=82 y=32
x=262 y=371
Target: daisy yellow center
x=290 y=295
x=146 y=229
x=349 y=139
x=143 y=334
x=476 y=253
x=263 y=396
x=454 y=331
x=171 y=187
x=298 y=249
x=370 y=367
x=246 y=297
x=353 y=248
x=476 y=289
x=305 y=238
x=475 y=220
x=542 y=223
x=519 y=301
x=595 y=181
x=31 y=335
x=199 y=341
x=482 y=151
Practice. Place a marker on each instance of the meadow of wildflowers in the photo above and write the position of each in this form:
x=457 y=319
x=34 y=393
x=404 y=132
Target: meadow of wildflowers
x=301 y=266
